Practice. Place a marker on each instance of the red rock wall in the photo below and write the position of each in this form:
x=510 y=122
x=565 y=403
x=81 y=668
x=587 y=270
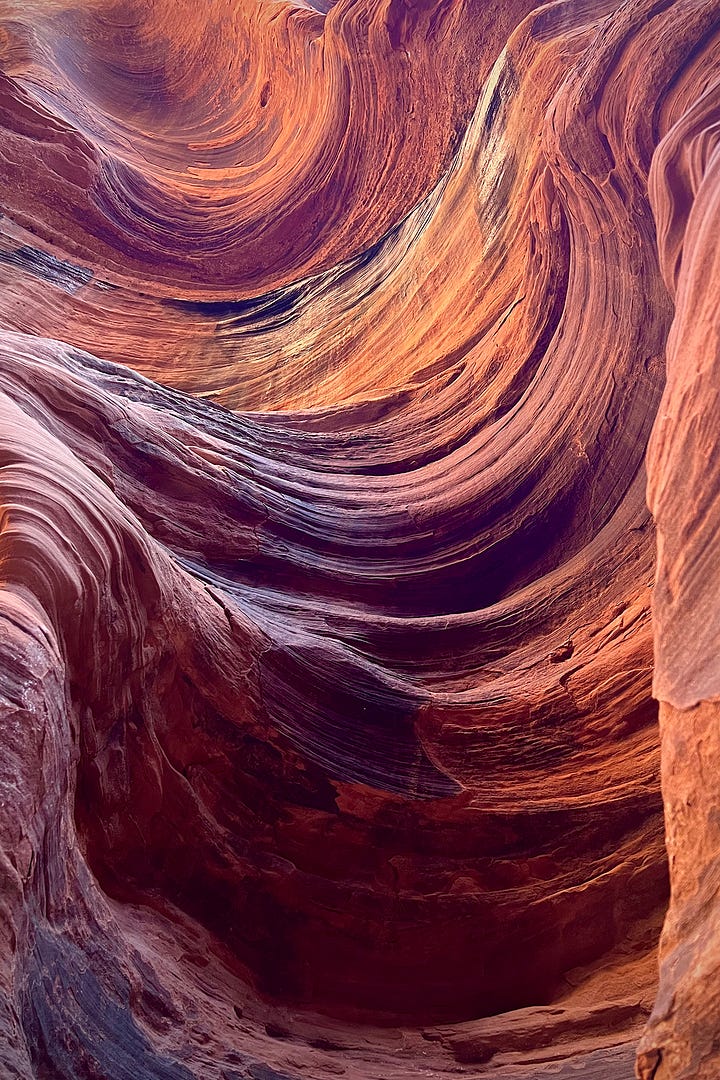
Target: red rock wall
x=681 y=1040
x=331 y=341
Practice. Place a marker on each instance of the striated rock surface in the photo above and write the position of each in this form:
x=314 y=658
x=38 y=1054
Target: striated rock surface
x=332 y=337
x=682 y=1037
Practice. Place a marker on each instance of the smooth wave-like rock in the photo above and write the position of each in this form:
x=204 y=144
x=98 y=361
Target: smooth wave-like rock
x=332 y=339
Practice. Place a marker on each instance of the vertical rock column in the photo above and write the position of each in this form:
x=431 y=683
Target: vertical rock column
x=682 y=1039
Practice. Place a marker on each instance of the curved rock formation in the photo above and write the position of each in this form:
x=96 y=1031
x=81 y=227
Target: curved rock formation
x=332 y=337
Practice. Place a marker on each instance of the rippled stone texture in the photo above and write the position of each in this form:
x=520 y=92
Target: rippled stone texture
x=332 y=337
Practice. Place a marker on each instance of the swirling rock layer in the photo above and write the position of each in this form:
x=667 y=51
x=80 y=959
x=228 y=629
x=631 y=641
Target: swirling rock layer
x=332 y=337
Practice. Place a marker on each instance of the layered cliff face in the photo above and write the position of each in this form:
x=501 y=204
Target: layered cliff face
x=332 y=340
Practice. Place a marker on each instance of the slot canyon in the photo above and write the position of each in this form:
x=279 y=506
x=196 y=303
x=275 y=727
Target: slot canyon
x=359 y=539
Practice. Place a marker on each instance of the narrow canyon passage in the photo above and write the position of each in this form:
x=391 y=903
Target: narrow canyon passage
x=358 y=407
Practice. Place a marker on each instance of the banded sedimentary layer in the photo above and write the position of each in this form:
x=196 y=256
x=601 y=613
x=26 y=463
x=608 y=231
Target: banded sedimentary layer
x=332 y=337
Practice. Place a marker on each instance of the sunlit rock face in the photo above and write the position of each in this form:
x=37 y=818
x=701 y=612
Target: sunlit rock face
x=332 y=337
